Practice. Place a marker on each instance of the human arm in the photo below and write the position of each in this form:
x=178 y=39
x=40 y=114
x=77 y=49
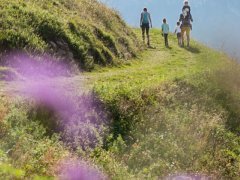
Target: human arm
x=191 y=17
x=162 y=29
x=150 y=20
x=180 y=18
x=141 y=19
x=175 y=31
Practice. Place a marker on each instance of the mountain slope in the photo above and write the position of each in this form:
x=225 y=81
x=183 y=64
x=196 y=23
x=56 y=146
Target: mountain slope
x=177 y=111
x=168 y=111
x=83 y=31
x=174 y=108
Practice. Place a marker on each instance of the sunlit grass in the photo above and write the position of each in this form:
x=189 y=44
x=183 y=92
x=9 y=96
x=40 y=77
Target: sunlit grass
x=158 y=65
x=166 y=107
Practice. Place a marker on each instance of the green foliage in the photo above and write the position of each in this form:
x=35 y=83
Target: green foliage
x=27 y=146
x=87 y=30
x=168 y=108
x=176 y=111
x=228 y=84
x=8 y=172
x=111 y=164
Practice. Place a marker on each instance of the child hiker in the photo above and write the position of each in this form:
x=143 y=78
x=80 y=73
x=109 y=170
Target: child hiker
x=165 y=31
x=178 y=32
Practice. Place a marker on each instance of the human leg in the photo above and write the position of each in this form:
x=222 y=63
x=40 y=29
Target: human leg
x=179 y=39
x=143 y=33
x=182 y=35
x=166 y=39
x=148 y=38
x=188 y=35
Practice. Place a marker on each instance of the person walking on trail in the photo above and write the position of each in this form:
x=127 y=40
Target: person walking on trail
x=178 y=32
x=186 y=26
x=187 y=10
x=145 y=24
x=165 y=31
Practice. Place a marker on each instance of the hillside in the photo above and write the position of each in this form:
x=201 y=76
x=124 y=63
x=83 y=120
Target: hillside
x=166 y=112
x=85 y=32
x=177 y=111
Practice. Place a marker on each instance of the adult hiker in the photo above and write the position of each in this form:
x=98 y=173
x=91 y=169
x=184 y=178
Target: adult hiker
x=145 y=24
x=186 y=19
x=187 y=10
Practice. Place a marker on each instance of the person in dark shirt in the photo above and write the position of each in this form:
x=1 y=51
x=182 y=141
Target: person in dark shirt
x=186 y=19
x=187 y=12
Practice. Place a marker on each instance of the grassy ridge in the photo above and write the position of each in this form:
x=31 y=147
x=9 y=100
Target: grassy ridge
x=159 y=65
x=174 y=108
x=84 y=31
x=177 y=108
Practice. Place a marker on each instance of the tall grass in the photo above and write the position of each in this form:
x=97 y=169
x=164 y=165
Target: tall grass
x=85 y=31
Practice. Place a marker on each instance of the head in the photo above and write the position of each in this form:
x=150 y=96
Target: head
x=164 y=20
x=185 y=2
x=145 y=9
x=178 y=23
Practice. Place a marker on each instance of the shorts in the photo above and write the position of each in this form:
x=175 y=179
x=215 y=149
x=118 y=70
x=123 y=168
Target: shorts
x=186 y=29
x=145 y=28
x=179 y=35
x=145 y=25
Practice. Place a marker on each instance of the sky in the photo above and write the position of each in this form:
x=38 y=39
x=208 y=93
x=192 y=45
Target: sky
x=216 y=22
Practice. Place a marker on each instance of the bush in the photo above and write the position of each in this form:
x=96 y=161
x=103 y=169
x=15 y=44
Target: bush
x=27 y=146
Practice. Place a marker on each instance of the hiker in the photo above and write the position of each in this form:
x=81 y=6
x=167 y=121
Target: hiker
x=165 y=31
x=178 y=32
x=186 y=26
x=187 y=10
x=145 y=24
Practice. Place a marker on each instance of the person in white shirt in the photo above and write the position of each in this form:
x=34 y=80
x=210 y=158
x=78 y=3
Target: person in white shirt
x=178 y=32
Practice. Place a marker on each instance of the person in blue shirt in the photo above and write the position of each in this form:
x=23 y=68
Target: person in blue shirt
x=165 y=31
x=145 y=24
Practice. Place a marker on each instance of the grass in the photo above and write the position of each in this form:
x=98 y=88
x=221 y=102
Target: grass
x=172 y=101
x=172 y=110
x=160 y=64
x=81 y=31
x=169 y=99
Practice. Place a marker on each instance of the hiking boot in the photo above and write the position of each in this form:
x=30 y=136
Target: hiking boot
x=148 y=43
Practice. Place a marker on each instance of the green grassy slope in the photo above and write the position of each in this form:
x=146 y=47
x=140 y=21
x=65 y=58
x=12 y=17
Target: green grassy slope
x=177 y=110
x=83 y=31
x=173 y=111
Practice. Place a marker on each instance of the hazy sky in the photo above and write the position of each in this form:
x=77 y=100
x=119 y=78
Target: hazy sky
x=216 y=22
